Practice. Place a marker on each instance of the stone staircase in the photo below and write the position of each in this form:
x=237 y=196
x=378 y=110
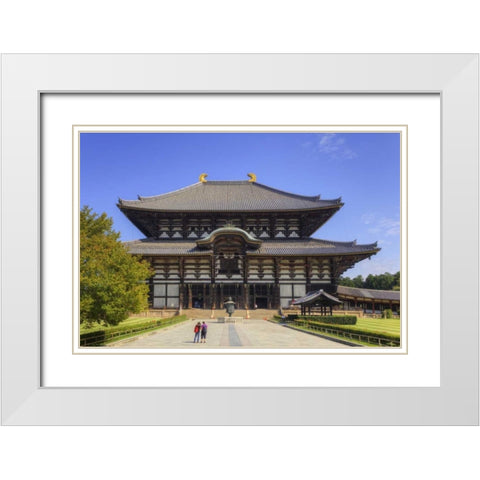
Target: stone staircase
x=259 y=314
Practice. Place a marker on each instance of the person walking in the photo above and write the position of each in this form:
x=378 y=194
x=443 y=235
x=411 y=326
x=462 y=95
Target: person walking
x=203 y=336
x=196 y=330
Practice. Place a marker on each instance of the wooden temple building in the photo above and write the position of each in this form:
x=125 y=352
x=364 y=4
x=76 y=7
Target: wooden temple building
x=241 y=239
x=369 y=300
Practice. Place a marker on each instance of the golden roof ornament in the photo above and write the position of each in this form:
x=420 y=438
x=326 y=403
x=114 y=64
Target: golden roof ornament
x=253 y=177
x=202 y=178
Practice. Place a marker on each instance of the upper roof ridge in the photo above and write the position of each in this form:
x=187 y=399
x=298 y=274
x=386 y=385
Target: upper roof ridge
x=294 y=195
x=225 y=195
x=143 y=198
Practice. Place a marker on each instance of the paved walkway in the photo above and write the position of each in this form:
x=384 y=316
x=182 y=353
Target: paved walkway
x=250 y=333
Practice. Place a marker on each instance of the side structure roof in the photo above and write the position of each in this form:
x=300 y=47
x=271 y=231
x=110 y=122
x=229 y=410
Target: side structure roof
x=367 y=293
x=315 y=296
x=228 y=196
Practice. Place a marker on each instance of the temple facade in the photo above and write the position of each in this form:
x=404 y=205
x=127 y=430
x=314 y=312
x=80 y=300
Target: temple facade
x=241 y=239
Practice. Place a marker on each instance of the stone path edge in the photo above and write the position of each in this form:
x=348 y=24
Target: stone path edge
x=333 y=339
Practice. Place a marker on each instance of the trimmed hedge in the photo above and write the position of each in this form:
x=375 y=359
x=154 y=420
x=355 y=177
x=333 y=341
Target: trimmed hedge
x=336 y=319
x=100 y=336
x=387 y=313
x=285 y=318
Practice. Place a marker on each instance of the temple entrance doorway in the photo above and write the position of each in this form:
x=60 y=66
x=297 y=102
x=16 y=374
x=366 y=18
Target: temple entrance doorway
x=196 y=296
x=261 y=302
x=261 y=296
x=233 y=290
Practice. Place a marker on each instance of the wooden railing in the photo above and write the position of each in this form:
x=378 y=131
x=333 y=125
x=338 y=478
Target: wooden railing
x=360 y=337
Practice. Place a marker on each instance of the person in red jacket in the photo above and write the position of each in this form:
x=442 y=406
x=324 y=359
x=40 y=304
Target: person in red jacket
x=196 y=330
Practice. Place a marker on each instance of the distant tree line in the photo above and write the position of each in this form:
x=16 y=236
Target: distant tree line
x=384 y=281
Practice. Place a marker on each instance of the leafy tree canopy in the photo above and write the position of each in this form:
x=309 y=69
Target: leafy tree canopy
x=384 y=281
x=112 y=281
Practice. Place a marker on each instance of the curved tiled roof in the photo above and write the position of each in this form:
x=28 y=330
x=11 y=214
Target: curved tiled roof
x=312 y=297
x=226 y=196
x=229 y=230
x=310 y=246
x=369 y=293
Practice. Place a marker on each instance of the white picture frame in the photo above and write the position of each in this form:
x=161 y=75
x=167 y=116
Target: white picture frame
x=26 y=77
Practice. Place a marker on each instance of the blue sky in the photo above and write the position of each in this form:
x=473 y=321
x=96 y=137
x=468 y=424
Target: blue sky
x=362 y=168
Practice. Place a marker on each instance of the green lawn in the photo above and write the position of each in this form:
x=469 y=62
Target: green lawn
x=379 y=325
x=364 y=326
x=374 y=325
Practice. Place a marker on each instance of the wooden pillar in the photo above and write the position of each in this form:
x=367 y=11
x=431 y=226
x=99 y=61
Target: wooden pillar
x=213 y=293
x=373 y=307
x=189 y=304
x=213 y=296
x=204 y=297
x=276 y=296
x=272 y=227
x=181 y=296
x=308 y=274
x=181 y=289
x=221 y=296
x=276 y=287
x=212 y=268
x=245 y=279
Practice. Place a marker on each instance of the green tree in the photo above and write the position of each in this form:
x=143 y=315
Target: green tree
x=384 y=281
x=346 y=282
x=358 y=281
x=112 y=281
x=396 y=285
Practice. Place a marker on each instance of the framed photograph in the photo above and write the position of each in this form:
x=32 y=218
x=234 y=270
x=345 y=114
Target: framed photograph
x=261 y=246
x=228 y=155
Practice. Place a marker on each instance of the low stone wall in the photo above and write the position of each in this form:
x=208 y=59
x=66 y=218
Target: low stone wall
x=229 y=319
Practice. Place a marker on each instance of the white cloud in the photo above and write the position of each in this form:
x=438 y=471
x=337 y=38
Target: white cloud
x=332 y=145
x=335 y=147
x=389 y=226
x=368 y=218
x=386 y=226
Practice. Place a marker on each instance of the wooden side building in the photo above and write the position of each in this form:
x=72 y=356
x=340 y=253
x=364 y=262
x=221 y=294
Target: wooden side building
x=369 y=300
x=241 y=239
